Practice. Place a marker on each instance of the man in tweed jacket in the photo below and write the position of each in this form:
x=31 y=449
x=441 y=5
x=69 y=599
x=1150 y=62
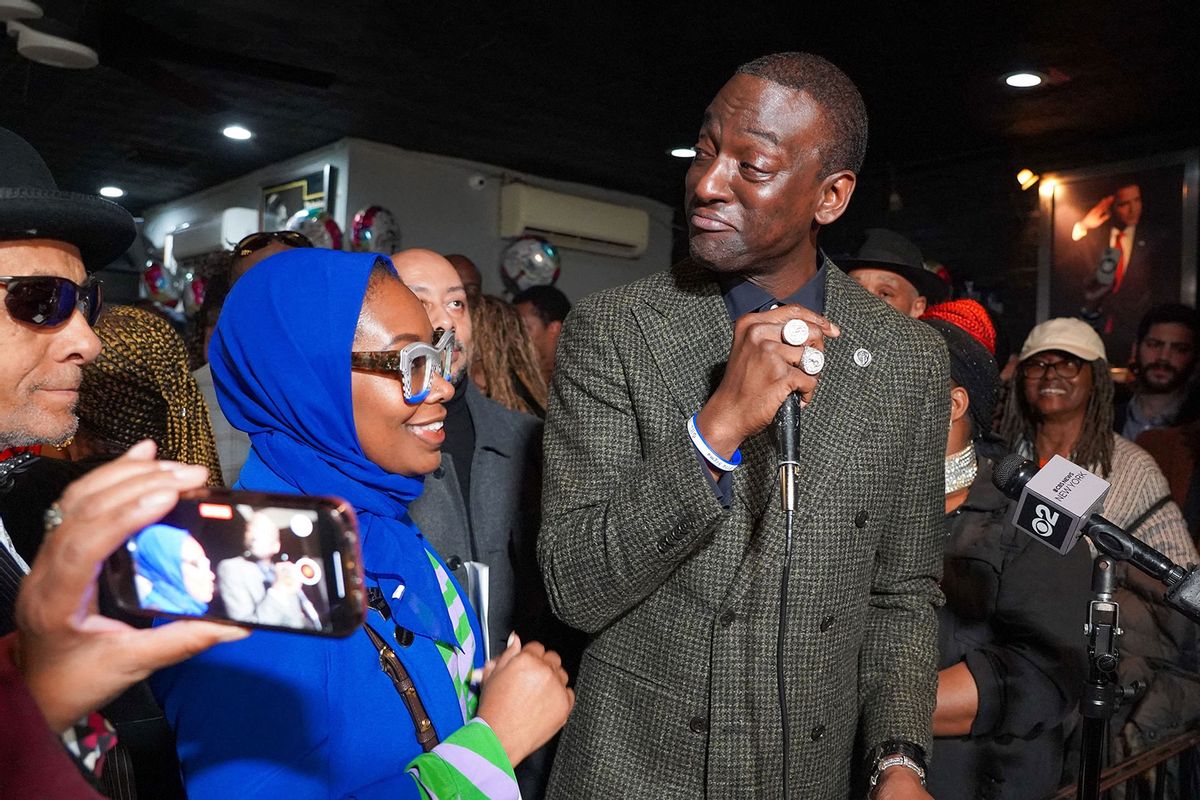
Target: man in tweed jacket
x=674 y=566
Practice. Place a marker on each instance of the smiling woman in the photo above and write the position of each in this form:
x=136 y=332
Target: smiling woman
x=327 y=361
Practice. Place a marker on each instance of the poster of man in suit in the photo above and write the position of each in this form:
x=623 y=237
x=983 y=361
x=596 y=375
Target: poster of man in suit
x=1118 y=239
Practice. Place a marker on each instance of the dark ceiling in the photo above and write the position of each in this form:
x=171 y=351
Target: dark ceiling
x=593 y=92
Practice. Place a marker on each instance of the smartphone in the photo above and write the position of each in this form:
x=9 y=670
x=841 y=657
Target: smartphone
x=274 y=561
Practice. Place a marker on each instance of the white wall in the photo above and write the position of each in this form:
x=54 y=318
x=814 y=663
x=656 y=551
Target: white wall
x=245 y=192
x=436 y=207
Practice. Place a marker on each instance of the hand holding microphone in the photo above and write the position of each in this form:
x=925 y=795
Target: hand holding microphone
x=768 y=362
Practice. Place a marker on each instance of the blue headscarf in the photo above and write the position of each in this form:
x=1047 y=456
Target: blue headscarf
x=280 y=360
x=157 y=553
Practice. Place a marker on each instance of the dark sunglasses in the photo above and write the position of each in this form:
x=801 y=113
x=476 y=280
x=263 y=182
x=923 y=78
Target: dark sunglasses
x=257 y=241
x=49 y=301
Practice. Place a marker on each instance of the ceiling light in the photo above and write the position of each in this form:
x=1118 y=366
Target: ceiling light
x=1024 y=80
x=1027 y=178
x=683 y=152
x=112 y=192
x=238 y=132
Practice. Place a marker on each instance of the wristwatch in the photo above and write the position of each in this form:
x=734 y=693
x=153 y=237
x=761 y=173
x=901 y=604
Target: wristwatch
x=897 y=753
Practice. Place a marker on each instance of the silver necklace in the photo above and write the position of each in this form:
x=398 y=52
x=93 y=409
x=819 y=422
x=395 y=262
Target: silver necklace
x=961 y=469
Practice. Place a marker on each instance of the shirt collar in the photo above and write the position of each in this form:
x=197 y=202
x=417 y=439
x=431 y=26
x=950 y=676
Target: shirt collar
x=743 y=297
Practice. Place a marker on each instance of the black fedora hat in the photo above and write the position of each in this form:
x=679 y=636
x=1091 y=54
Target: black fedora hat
x=880 y=248
x=32 y=207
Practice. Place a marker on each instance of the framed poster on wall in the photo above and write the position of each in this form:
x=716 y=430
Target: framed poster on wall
x=280 y=201
x=1117 y=240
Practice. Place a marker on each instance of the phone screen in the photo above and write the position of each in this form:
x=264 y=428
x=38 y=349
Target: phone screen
x=268 y=561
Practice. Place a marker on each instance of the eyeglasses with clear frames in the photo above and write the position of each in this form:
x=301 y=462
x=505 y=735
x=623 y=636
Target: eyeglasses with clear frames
x=415 y=363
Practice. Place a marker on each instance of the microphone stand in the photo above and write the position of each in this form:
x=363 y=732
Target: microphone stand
x=1103 y=693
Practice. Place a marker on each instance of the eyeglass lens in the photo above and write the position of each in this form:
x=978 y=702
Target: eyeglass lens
x=50 y=301
x=1067 y=368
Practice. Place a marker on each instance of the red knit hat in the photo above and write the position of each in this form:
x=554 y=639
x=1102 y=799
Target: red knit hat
x=968 y=315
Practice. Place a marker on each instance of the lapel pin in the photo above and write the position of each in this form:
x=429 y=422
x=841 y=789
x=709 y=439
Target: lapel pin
x=862 y=357
x=396 y=595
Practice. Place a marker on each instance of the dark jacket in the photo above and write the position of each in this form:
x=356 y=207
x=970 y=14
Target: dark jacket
x=1014 y=612
x=505 y=507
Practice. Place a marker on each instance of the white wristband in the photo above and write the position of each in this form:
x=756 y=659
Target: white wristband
x=710 y=455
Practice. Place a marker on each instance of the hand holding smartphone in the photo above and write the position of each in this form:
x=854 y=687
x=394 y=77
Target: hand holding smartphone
x=273 y=561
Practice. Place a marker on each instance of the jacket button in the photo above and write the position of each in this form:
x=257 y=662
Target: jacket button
x=817 y=732
x=698 y=725
x=454 y=562
x=826 y=624
x=727 y=618
x=860 y=519
x=439 y=472
x=664 y=544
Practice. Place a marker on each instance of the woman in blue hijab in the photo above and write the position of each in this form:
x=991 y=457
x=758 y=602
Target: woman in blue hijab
x=324 y=359
x=175 y=574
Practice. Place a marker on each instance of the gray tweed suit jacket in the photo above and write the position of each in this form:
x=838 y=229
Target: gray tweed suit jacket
x=676 y=696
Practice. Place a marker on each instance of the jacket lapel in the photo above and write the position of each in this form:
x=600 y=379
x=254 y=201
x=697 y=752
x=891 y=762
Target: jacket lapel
x=688 y=334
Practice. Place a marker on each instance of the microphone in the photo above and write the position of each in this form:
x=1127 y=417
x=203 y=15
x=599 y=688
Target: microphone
x=787 y=424
x=1054 y=503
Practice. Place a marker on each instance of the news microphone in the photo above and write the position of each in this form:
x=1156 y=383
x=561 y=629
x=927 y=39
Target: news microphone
x=1055 y=503
x=787 y=425
x=1049 y=506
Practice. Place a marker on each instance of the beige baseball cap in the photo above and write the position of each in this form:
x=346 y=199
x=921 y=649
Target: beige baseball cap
x=1067 y=334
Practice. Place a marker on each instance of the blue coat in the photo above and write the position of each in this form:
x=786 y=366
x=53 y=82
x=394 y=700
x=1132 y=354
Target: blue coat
x=286 y=715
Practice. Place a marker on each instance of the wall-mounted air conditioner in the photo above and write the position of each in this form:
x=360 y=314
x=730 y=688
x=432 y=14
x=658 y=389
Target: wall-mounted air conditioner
x=219 y=233
x=573 y=222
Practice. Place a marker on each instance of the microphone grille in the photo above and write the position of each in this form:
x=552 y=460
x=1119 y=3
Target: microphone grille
x=1004 y=472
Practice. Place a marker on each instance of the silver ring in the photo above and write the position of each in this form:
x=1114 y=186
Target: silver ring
x=795 y=332
x=813 y=361
x=52 y=517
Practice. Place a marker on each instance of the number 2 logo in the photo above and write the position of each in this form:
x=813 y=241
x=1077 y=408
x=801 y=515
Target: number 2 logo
x=1045 y=520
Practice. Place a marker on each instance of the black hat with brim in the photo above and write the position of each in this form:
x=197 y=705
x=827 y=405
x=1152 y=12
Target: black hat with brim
x=33 y=207
x=888 y=250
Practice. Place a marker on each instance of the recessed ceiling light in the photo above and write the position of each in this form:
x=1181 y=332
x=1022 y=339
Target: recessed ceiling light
x=238 y=132
x=112 y=191
x=683 y=152
x=1024 y=80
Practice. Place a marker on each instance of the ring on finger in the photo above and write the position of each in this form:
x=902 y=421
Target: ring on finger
x=813 y=361
x=52 y=517
x=795 y=332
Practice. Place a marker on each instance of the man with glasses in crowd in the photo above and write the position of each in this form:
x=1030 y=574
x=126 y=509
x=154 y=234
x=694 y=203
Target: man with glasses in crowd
x=65 y=661
x=233 y=445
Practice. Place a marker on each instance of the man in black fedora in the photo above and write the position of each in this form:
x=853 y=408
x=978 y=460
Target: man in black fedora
x=64 y=661
x=891 y=267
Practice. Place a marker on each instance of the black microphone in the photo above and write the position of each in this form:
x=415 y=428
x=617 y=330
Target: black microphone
x=787 y=424
x=1054 y=503
x=1047 y=511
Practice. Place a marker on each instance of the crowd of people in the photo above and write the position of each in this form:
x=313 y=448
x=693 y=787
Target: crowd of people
x=579 y=580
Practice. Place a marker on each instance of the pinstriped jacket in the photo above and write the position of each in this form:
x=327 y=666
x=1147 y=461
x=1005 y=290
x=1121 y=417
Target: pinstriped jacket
x=676 y=696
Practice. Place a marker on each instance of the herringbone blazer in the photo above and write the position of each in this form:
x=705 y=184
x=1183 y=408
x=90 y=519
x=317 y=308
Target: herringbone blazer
x=677 y=690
